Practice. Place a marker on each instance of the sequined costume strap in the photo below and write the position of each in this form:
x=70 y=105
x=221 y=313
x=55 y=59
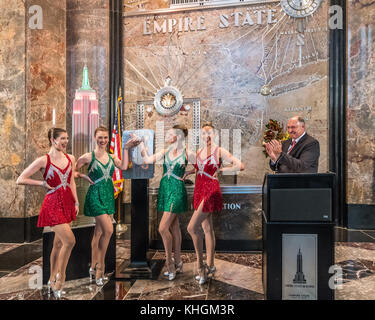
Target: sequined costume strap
x=172 y=175
x=170 y=167
x=105 y=170
x=63 y=177
x=58 y=187
x=47 y=166
x=92 y=161
x=207 y=174
x=201 y=165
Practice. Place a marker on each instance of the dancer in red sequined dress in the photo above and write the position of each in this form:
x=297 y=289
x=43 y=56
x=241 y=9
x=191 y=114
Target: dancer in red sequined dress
x=60 y=205
x=208 y=197
x=207 y=186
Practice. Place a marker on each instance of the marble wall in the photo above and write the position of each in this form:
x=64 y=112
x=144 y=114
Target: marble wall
x=223 y=57
x=139 y=5
x=45 y=86
x=12 y=106
x=32 y=95
x=39 y=72
x=361 y=106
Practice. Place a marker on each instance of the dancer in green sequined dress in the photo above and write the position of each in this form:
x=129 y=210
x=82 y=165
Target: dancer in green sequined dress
x=100 y=200
x=172 y=196
x=172 y=192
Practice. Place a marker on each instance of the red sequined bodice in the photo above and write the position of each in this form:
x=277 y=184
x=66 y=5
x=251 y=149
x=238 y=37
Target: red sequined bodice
x=58 y=205
x=56 y=177
x=207 y=187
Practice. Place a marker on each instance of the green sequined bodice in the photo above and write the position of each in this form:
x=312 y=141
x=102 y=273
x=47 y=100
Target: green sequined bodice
x=100 y=197
x=172 y=191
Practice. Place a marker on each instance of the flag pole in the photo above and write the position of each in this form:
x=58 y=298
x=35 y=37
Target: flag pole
x=120 y=227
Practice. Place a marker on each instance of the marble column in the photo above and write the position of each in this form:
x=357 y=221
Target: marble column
x=12 y=107
x=361 y=105
x=32 y=95
x=45 y=86
x=87 y=43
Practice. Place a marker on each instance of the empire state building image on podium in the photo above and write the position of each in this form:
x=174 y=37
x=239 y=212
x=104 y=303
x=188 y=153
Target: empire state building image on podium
x=299 y=277
x=85 y=117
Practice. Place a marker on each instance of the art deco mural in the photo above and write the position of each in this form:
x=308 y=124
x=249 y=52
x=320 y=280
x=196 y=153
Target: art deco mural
x=241 y=65
x=236 y=65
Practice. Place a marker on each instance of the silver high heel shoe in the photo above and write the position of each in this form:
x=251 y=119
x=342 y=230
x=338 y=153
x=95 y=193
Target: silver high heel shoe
x=179 y=269
x=56 y=293
x=92 y=273
x=49 y=288
x=99 y=281
x=197 y=277
x=202 y=278
x=211 y=271
x=171 y=275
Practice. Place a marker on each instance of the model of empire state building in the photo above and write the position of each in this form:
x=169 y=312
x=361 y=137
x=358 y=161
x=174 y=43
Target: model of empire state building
x=85 y=117
x=299 y=277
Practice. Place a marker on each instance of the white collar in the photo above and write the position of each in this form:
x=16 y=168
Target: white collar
x=300 y=137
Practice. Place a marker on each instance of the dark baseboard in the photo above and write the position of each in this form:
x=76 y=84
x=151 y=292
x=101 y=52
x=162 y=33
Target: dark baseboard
x=221 y=245
x=19 y=230
x=32 y=232
x=361 y=216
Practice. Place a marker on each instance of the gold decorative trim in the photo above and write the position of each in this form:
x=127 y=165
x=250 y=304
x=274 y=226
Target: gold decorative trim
x=202 y=8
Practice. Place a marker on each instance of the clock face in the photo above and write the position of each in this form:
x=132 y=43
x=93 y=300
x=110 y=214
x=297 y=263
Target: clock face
x=168 y=101
x=300 y=8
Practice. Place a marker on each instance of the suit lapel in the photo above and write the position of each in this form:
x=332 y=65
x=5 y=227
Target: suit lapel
x=286 y=145
x=298 y=145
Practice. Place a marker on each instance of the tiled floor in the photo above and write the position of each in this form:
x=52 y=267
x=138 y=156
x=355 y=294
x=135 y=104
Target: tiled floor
x=238 y=275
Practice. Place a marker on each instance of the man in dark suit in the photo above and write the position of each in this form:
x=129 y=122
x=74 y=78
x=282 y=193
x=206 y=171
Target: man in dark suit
x=299 y=154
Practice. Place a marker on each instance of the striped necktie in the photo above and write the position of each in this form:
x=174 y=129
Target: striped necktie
x=292 y=146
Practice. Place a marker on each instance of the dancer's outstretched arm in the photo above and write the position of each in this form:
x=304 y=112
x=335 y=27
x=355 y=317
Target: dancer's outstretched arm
x=153 y=158
x=124 y=163
x=236 y=166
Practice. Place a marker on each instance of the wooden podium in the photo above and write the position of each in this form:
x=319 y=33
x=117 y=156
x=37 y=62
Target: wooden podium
x=298 y=236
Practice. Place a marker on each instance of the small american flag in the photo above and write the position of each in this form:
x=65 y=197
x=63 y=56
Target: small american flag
x=116 y=145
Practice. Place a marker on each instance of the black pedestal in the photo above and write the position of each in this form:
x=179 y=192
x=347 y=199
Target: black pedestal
x=298 y=236
x=80 y=258
x=274 y=282
x=138 y=267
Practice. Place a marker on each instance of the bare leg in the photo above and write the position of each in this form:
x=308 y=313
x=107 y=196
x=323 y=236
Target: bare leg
x=165 y=223
x=67 y=238
x=195 y=221
x=57 y=245
x=176 y=236
x=95 y=244
x=106 y=226
x=209 y=236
